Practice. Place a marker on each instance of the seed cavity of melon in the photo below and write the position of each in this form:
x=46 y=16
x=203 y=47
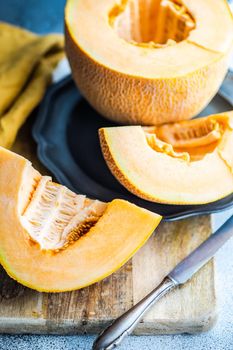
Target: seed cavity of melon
x=154 y=24
x=159 y=146
x=55 y=217
x=190 y=140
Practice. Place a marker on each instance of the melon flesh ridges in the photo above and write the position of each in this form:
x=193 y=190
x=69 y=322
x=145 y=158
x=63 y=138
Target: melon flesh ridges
x=157 y=171
x=138 y=82
x=111 y=235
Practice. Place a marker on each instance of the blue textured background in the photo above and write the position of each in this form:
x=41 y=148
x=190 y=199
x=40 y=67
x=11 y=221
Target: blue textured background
x=43 y=16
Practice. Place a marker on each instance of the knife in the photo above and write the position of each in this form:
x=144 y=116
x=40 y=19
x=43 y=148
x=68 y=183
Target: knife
x=125 y=324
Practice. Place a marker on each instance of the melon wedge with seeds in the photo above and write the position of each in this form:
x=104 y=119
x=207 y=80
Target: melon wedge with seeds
x=190 y=162
x=54 y=240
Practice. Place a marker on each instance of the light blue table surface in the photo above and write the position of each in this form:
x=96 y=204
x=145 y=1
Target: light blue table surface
x=44 y=16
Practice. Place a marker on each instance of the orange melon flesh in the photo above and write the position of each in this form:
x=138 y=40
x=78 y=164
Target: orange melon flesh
x=148 y=62
x=119 y=232
x=189 y=162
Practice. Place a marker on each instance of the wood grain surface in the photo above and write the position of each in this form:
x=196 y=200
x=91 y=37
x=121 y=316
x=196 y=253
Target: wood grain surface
x=190 y=308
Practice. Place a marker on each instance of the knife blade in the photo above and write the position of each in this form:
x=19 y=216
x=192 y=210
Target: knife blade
x=200 y=256
x=125 y=324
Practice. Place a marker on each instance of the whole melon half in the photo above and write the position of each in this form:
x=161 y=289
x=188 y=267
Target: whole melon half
x=54 y=240
x=148 y=61
x=190 y=162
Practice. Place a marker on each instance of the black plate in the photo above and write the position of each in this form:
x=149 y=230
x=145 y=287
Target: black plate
x=68 y=145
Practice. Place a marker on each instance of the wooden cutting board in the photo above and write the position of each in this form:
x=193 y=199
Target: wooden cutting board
x=190 y=308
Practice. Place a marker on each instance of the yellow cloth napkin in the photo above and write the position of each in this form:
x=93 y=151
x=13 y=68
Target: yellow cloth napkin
x=26 y=65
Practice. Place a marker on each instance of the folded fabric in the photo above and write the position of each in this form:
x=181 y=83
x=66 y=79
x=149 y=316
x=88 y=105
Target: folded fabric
x=26 y=65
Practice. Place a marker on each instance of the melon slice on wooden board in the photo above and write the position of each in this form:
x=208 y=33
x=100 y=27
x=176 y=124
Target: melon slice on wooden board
x=52 y=239
x=148 y=62
x=190 y=162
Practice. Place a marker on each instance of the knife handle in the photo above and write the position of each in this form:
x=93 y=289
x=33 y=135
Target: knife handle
x=113 y=335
